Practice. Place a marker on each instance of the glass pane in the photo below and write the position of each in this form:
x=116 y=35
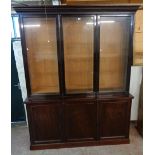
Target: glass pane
x=114 y=45
x=41 y=44
x=16 y=24
x=12 y=29
x=78 y=53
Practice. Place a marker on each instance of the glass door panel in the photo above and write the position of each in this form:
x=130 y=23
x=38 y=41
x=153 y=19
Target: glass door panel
x=114 y=47
x=78 y=53
x=41 y=45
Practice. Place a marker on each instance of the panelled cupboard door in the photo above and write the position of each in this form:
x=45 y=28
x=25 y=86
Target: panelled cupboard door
x=80 y=120
x=114 y=49
x=45 y=122
x=41 y=48
x=114 y=119
x=78 y=34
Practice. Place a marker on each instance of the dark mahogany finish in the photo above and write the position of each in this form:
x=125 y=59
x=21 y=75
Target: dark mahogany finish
x=69 y=120
x=45 y=121
x=114 y=118
x=80 y=120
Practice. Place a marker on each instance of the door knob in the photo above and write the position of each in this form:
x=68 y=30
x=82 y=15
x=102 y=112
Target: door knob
x=18 y=85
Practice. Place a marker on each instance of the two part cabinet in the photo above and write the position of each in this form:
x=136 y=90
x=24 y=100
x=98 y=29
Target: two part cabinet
x=77 y=64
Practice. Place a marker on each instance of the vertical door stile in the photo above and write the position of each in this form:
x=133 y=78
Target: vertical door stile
x=60 y=55
x=96 y=54
x=130 y=53
x=96 y=68
x=61 y=72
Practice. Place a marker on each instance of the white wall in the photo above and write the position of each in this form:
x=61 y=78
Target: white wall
x=135 y=81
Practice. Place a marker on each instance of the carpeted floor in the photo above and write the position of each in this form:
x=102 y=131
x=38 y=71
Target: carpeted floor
x=20 y=146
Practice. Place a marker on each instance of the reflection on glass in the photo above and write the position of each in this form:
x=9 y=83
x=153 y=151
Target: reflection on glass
x=41 y=48
x=16 y=24
x=12 y=30
x=114 y=41
x=78 y=53
x=15 y=33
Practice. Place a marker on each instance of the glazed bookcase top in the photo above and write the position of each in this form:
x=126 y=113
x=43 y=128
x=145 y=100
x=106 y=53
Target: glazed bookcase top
x=77 y=50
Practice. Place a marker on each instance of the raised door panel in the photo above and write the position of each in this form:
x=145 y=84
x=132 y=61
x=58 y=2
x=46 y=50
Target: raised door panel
x=114 y=119
x=45 y=122
x=80 y=120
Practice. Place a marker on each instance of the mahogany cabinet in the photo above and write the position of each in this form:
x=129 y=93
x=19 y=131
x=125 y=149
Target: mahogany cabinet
x=77 y=63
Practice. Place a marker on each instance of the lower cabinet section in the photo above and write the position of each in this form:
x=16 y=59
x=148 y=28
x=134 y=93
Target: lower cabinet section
x=70 y=123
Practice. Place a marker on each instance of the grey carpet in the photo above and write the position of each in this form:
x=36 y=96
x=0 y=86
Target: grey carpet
x=20 y=146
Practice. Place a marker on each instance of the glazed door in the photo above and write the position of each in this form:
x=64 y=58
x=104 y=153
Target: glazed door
x=114 y=49
x=78 y=39
x=41 y=51
x=80 y=120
